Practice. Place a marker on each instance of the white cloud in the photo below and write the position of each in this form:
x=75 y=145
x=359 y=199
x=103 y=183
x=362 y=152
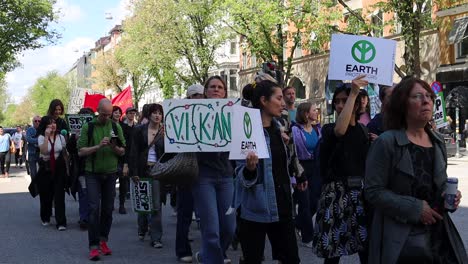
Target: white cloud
x=120 y=12
x=37 y=63
x=68 y=12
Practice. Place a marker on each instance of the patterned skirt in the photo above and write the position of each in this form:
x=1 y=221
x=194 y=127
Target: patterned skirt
x=341 y=223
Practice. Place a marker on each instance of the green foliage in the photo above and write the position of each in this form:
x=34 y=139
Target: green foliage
x=266 y=25
x=24 y=25
x=176 y=43
x=10 y=116
x=52 y=86
x=108 y=72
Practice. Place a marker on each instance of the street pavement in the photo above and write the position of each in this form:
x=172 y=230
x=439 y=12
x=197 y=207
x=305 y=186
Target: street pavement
x=25 y=240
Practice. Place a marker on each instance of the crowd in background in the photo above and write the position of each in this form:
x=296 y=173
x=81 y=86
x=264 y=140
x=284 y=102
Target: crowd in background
x=374 y=184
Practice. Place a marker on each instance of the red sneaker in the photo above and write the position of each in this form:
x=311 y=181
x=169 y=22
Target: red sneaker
x=94 y=254
x=105 y=250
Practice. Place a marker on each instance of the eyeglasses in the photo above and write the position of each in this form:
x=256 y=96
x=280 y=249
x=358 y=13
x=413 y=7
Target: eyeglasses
x=37 y=121
x=419 y=97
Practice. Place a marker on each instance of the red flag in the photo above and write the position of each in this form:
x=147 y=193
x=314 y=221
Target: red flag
x=92 y=100
x=123 y=99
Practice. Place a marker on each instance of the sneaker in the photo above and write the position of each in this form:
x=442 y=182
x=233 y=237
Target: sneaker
x=61 y=228
x=141 y=236
x=94 y=254
x=198 y=258
x=83 y=225
x=156 y=244
x=307 y=245
x=105 y=250
x=122 y=210
x=186 y=259
x=45 y=223
x=227 y=261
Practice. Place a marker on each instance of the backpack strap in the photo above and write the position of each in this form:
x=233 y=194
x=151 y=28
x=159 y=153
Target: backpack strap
x=90 y=140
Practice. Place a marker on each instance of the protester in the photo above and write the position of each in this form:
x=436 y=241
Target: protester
x=56 y=109
x=124 y=183
x=184 y=206
x=116 y=114
x=33 y=153
x=289 y=94
x=102 y=142
x=376 y=124
x=18 y=141
x=6 y=143
x=364 y=108
x=52 y=175
x=144 y=112
x=306 y=135
x=123 y=180
x=406 y=174
x=147 y=149
x=341 y=221
x=269 y=178
x=213 y=192
x=78 y=179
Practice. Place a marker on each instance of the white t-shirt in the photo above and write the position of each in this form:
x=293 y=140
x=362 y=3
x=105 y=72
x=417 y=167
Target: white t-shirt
x=58 y=146
x=152 y=154
x=17 y=139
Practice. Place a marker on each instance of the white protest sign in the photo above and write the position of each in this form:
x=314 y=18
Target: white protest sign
x=249 y=138
x=76 y=122
x=198 y=125
x=142 y=196
x=352 y=55
x=440 y=117
x=77 y=96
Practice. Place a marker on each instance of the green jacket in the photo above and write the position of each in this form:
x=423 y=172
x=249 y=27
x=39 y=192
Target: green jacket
x=105 y=160
x=389 y=173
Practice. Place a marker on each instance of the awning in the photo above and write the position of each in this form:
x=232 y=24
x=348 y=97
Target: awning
x=458 y=32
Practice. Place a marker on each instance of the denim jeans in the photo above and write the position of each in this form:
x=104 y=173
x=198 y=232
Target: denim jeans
x=5 y=158
x=83 y=199
x=213 y=196
x=153 y=220
x=184 y=219
x=32 y=161
x=101 y=194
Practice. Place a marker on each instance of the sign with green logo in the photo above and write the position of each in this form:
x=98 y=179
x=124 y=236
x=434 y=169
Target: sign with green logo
x=363 y=51
x=253 y=138
x=247 y=125
x=351 y=56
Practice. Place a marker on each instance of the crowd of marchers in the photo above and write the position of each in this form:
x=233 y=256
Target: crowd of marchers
x=372 y=186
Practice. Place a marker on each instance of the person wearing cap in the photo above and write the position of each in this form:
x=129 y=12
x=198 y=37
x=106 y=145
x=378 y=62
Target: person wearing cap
x=195 y=91
x=124 y=181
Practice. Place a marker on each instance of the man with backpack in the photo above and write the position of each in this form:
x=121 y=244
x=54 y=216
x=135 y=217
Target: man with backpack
x=102 y=143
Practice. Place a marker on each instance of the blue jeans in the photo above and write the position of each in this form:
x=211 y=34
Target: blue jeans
x=32 y=161
x=153 y=220
x=184 y=219
x=212 y=196
x=83 y=201
x=101 y=194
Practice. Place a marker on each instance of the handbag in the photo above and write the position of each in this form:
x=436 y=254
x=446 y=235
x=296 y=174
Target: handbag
x=181 y=169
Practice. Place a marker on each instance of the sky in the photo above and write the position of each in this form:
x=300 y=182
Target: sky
x=81 y=24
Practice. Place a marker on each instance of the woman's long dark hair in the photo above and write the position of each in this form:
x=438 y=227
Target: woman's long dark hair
x=397 y=107
x=253 y=92
x=45 y=121
x=346 y=88
x=53 y=104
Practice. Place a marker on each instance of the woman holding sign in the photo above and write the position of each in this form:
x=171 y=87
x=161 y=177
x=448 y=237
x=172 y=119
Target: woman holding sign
x=406 y=179
x=213 y=192
x=147 y=148
x=263 y=187
x=341 y=221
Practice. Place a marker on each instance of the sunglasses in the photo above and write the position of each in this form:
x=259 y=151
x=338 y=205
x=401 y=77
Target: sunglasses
x=37 y=121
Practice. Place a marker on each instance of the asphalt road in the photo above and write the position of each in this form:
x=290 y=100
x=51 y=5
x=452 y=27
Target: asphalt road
x=25 y=240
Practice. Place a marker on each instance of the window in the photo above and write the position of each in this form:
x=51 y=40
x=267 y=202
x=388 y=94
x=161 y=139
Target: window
x=298 y=50
x=233 y=80
x=377 y=24
x=244 y=60
x=233 y=49
x=462 y=49
x=253 y=61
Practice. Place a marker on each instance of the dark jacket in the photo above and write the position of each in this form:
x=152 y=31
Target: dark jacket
x=389 y=173
x=139 y=150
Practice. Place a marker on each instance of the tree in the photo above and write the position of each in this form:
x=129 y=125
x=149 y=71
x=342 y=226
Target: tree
x=3 y=96
x=180 y=41
x=52 y=86
x=109 y=72
x=266 y=26
x=24 y=24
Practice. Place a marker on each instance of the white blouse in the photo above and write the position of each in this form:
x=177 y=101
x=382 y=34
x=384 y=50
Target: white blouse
x=58 y=146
